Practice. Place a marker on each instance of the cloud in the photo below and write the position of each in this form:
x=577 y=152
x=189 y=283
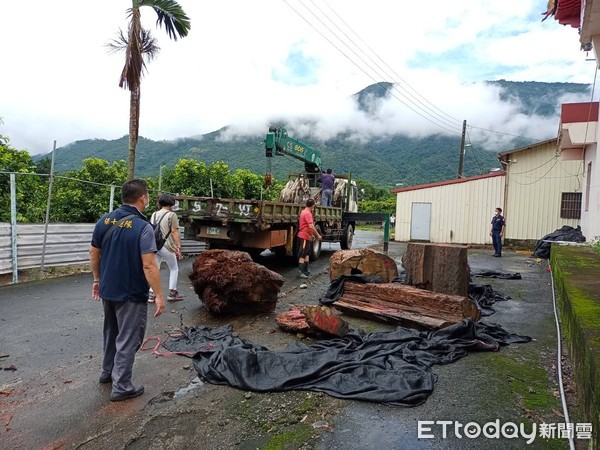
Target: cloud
x=247 y=64
x=298 y=69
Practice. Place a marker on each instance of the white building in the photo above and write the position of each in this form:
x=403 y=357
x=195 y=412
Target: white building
x=577 y=142
x=538 y=191
x=579 y=130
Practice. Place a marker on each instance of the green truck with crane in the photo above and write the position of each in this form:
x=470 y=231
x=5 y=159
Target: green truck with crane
x=257 y=225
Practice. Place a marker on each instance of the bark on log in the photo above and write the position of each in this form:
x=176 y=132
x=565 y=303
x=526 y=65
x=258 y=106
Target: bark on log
x=365 y=261
x=229 y=281
x=437 y=267
x=405 y=305
x=322 y=318
x=312 y=320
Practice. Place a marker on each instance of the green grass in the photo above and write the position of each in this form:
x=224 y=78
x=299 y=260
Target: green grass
x=531 y=388
x=289 y=439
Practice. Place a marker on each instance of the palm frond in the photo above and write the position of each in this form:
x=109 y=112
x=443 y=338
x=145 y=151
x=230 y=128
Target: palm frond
x=139 y=46
x=170 y=14
x=117 y=44
x=150 y=48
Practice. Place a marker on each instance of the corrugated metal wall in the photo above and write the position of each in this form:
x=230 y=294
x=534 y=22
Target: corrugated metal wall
x=460 y=213
x=536 y=178
x=66 y=244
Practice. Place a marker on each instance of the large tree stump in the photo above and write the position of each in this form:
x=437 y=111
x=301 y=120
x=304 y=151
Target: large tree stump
x=229 y=281
x=405 y=305
x=365 y=261
x=437 y=267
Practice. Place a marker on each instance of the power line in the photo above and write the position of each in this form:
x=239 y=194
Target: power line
x=422 y=100
x=506 y=134
x=477 y=162
x=554 y=158
x=537 y=179
x=417 y=102
x=357 y=65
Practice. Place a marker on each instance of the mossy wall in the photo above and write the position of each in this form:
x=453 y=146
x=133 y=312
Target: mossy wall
x=576 y=274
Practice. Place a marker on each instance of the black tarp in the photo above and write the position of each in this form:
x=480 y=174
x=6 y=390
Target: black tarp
x=497 y=274
x=385 y=367
x=566 y=234
x=336 y=287
x=485 y=296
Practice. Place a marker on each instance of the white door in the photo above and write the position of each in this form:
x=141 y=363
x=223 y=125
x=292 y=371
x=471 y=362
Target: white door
x=420 y=221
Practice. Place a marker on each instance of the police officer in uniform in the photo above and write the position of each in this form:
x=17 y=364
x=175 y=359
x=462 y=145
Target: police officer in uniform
x=497 y=231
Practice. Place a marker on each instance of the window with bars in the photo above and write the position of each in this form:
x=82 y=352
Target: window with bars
x=570 y=205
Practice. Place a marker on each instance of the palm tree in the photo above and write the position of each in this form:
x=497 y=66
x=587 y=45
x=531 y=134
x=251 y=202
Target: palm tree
x=139 y=45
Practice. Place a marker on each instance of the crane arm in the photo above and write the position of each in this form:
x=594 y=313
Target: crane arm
x=278 y=142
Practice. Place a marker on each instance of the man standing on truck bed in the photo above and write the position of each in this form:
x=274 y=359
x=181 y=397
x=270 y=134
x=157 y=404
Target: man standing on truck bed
x=306 y=234
x=327 y=181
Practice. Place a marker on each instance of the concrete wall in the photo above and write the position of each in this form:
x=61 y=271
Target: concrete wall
x=576 y=274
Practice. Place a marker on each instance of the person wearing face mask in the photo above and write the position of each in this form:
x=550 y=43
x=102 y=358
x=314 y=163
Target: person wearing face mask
x=122 y=259
x=171 y=251
x=497 y=231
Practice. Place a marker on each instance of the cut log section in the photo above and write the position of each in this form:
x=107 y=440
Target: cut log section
x=322 y=318
x=293 y=320
x=439 y=268
x=405 y=305
x=364 y=261
x=228 y=281
x=312 y=320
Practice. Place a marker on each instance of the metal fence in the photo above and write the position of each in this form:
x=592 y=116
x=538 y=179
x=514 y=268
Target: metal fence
x=66 y=244
x=29 y=246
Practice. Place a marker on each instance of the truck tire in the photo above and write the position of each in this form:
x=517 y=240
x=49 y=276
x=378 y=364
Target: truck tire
x=346 y=240
x=315 y=248
x=280 y=251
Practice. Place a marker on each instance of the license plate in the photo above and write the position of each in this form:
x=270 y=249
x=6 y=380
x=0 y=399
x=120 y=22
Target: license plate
x=215 y=231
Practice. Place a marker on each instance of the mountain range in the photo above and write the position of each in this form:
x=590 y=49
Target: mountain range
x=384 y=161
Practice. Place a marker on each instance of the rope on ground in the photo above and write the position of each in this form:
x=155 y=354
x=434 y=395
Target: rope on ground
x=159 y=342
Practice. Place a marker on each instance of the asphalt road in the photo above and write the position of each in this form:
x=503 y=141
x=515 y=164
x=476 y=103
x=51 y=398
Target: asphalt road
x=50 y=332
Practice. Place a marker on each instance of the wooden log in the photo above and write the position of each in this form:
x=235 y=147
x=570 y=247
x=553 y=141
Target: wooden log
x=293 y=320
x=364 y=261
x=312 y=320
x=405 y=305
x=437 y=267
x=322 y=318
x=228 y=281
x=395 y=316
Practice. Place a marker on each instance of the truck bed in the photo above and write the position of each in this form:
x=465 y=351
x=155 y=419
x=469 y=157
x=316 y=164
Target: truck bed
x=260 y=213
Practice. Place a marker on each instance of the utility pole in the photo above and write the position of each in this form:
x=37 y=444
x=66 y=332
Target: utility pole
x=462 y=150
x=160 y=178
x=48 y=207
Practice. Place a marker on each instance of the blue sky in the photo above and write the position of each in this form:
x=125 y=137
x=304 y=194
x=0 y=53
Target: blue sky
x=245 y=63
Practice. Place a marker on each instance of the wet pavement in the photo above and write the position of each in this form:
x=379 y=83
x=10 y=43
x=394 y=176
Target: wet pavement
x=51 y=331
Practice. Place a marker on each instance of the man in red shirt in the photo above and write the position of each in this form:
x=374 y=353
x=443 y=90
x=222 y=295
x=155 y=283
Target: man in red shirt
x=306 y=234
